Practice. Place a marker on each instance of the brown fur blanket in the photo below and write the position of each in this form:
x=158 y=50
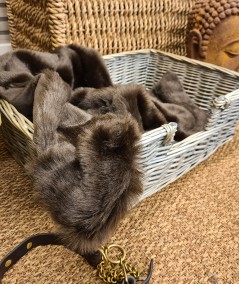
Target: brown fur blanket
x=87 y=183
x=20 y=69
x=85 y=72
x=85 y=135
x=166 y=102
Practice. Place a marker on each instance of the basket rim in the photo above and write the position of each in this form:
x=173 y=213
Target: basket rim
x=16 y=118
x=177 y=57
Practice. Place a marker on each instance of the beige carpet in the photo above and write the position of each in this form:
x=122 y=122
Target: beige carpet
x=190 y=229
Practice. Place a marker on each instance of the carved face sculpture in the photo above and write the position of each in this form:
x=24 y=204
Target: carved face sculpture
x=213 y=33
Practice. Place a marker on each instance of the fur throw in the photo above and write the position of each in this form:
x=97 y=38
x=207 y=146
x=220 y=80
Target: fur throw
x=86 y=132
x=19 y=72
x=166 y=102
x=85 y=72
x=87 y=182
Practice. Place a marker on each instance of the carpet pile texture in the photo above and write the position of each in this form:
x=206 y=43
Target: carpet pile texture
x=190 y=228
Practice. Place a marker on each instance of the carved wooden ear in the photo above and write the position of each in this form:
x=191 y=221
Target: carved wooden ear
x=194 y=45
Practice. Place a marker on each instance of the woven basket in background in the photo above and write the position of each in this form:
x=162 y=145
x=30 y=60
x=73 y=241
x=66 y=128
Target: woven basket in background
x=163 y=160
x=110 y=26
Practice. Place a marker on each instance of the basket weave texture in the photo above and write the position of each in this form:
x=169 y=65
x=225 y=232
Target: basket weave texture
x=111 y=26
x=162 y=159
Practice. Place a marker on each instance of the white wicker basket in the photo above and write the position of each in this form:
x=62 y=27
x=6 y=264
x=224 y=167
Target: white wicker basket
x=162 y=159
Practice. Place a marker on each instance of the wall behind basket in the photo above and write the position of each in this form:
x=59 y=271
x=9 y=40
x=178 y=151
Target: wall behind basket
x=4 y=31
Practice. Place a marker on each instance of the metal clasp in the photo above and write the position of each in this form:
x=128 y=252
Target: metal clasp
x=113 y=268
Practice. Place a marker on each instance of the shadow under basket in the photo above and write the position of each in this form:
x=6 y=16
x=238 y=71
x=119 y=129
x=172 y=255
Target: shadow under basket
x=162 y=159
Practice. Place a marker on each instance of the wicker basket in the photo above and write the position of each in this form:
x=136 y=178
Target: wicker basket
x=110 y=26
x=163 y=160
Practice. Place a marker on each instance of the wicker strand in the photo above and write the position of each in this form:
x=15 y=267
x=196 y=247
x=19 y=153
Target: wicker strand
x=110 y=26
x=56 y=12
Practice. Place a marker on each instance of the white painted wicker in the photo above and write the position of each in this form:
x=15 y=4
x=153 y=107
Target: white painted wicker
x=162 y=159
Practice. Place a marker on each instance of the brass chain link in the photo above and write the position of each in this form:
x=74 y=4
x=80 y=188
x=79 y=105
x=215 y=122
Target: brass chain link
x=115 y=271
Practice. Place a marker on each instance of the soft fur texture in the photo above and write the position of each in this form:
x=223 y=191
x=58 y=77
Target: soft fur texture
x=85 y=72
x=85 y=135
x=176 y=106
x=87 y=182
x=19 y=72
x=166 y=102
x=121 y=100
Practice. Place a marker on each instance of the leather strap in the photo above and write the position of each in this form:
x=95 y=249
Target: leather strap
x=150 y=272
x=45 y=239
x=18 y=252
x=34 y=241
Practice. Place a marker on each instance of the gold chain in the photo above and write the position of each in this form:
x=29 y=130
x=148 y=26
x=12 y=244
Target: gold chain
x=113 y=271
